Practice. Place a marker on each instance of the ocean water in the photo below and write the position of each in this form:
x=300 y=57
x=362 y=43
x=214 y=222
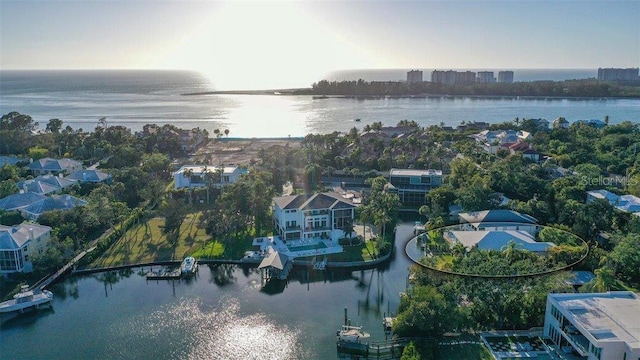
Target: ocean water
x=135 y=98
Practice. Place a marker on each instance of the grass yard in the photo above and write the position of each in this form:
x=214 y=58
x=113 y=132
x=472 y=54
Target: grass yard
x=146 y=242
x=360 y=252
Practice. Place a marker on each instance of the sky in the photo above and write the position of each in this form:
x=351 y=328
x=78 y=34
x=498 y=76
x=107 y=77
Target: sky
x=248 y=44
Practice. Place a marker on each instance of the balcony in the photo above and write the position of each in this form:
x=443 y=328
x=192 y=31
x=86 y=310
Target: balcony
x=316 y=228
x=577 y=340
x=292 y=228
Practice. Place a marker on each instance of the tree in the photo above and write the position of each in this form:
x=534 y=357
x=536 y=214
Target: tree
x=605 y=277
x=37 y=153
x=174 y=212
x=156 y=163
x=54 y=126
x=626 y=256
x=425 y=312
x=410 y=352
x=512 y=250
x=188 y=173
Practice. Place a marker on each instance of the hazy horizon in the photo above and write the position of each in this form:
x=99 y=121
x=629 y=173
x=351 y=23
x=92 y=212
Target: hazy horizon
x=249 y=44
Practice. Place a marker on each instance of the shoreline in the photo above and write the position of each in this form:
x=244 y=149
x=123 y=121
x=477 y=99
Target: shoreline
x=296 y=92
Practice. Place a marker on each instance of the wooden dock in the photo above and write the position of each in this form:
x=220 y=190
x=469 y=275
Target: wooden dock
x=164 y=274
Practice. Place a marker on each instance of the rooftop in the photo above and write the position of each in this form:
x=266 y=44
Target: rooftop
x=326 y=200
x=199 y=169
x=496 y=239
x=496 y=216
x=14 y=237
x=414 y=172
x=612 y=316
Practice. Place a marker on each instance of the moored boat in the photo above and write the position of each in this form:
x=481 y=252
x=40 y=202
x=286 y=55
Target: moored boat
x=26 y=299
x=189 y=266
x=352 y=337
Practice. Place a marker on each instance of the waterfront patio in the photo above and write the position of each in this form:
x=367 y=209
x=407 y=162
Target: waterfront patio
x=297 y=248
x=504 y=345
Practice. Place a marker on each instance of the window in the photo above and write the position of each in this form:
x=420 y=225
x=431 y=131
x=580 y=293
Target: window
x=596 y=351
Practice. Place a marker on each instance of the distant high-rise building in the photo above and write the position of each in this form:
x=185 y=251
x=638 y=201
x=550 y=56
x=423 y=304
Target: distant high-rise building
x=453 y=77
x=485 y=77
x=611 y=74
x=505 y=76
x=414 y=76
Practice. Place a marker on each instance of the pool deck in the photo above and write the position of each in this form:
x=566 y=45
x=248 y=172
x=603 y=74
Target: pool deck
x=274 y=243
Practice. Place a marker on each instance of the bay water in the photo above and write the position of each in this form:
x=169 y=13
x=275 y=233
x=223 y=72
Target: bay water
x=134 y=98
x=222 y=313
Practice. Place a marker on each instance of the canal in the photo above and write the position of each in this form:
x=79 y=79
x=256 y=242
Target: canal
x=222 y=313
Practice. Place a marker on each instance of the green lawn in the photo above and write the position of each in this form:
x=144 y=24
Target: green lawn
x=145 y=242
x=355 y=253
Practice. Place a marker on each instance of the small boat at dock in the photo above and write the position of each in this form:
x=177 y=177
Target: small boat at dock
x=189 y=266
x=352 y=338
x=27 y=299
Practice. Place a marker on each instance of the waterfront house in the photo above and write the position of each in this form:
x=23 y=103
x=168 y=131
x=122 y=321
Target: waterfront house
x=20 y=243
x=497 y=240
x=602 y=326
x=312 y=216
x=45 y=184
x=90 y=176
x=412 y=185
x=497 y=220
x=195 y=176
x=560 y=123
x=54 y=166
x=542 y=124
x=594 y=123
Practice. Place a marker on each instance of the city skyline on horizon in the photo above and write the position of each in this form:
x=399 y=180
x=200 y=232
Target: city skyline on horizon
x=286 y=43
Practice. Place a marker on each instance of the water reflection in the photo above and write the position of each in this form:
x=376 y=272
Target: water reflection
x=193 y=329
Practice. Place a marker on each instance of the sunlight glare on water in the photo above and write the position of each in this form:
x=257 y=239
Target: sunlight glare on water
x=193 y=329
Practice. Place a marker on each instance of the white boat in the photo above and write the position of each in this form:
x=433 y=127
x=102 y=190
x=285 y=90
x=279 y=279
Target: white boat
x=352 y=334
x=25 y=299
x=189 y=266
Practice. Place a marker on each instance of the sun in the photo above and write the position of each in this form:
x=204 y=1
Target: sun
x=264 y=45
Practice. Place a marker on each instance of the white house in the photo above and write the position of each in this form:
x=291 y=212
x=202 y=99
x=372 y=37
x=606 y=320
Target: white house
x=18 y=244
x=598 y=326
x=497 y=240
x=194 y=176
x=321 y=215
x=498 y=220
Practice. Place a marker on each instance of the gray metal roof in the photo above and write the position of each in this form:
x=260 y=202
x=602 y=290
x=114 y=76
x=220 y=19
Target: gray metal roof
x=275 y=259
x=327 y=200
x=18 y=201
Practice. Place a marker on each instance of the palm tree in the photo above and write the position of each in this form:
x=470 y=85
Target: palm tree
x=605 y=277
x=188 y=173
x=458 y=250
x=512 y=250
x=208 y=177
